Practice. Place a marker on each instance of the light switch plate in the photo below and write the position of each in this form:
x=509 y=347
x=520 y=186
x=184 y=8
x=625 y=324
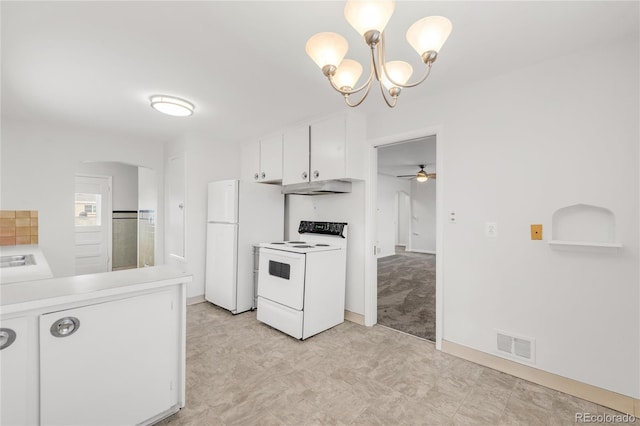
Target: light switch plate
x=536 y=232
x=491 y=229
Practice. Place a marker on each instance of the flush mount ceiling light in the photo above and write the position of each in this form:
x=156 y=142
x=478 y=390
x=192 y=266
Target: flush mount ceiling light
x=171 y=105
x=370 y=18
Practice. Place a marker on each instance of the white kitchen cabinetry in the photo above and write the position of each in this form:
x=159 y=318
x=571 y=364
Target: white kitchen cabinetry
x=14 y=358
x=295 y=158
x=330 y=148
x=122 y=351
x=262 y=160
x=120 y=357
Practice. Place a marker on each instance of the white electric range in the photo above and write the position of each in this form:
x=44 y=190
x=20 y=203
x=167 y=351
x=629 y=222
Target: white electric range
x=301 y=283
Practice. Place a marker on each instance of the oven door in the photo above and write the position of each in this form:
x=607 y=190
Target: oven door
x=281 y=277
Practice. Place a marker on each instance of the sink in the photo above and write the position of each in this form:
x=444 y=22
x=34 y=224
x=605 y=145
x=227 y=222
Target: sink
x=17 y=260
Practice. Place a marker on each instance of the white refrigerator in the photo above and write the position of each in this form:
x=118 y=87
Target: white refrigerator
x=240 y=214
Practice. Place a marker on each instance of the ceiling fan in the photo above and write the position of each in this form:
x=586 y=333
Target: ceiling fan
x=421 y=176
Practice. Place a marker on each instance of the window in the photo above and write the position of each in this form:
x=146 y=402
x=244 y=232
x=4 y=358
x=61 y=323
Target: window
x=87 y=211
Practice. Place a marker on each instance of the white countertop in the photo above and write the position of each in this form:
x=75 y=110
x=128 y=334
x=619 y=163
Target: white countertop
x=16 y=274
x=28 y=295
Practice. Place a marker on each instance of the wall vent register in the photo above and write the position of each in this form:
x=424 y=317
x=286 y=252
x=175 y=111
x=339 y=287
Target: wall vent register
x=517 y=347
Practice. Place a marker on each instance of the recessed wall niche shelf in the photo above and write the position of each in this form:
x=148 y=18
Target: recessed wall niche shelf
x=584 y=225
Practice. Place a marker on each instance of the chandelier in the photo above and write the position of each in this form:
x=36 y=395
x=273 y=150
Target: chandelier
x=369 y=18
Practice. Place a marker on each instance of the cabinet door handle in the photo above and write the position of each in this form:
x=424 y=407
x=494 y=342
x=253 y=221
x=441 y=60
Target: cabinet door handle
x=304 y=175
x=263 y=175
x=316 y=174
x=7 y=337
x=65 y=326
x=256 y=176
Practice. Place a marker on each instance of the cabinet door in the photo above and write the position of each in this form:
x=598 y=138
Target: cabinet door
x=295 y=158
x=271 y=159
x=119 y=366
x=328 y=155
x=13 y=364
x=251 y=162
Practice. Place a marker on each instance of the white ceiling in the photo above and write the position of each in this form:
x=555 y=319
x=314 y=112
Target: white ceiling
x=405 y=158
x=243 y=63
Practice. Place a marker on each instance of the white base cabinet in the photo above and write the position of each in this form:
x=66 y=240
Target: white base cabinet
x=97 y=349
x=14 y=359
x=123 y=352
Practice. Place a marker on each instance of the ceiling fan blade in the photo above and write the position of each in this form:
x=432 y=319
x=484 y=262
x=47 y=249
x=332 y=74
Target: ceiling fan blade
x=431 y=175
x=406 y=176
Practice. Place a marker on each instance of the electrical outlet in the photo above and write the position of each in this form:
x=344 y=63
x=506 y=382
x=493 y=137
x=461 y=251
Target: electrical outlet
x=491 y=229
x=452 y=217
x=536 y=232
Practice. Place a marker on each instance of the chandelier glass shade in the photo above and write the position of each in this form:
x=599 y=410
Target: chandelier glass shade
x=369 y=18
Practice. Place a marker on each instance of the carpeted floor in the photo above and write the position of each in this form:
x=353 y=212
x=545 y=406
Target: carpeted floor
x=407 y=293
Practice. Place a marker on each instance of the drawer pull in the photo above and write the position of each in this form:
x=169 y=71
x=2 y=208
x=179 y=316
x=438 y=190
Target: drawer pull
x=65 y=327
x=7 y=337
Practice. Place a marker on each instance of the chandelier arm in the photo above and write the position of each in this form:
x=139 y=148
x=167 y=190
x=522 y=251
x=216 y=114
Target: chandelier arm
x=366 y=93
x=374 y=63
x=383 y=61
x=350 y=92
x=384 y=96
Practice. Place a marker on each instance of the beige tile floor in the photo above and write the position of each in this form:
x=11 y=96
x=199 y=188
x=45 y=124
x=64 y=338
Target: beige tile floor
x=242 y=372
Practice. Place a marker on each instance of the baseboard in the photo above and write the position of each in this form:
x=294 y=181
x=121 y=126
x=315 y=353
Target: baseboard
x=380 y=256
x=421 y=251
x=353 y=317
x=195 y=300
x=607 y=398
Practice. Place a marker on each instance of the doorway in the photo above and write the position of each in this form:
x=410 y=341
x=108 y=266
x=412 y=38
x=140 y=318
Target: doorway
x=406 y=261
x=92 y=215
x=126 y=211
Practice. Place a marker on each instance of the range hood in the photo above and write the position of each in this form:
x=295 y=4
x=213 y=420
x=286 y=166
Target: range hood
x=318 y=188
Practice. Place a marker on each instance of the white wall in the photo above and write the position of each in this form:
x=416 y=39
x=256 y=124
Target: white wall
x=388 y=187
x=207 y=160
x=516 y=148
x=403 y=201
x=124 y=191
x=147 y=189
x=337 y=208
x=423 y=216
x=39 y=162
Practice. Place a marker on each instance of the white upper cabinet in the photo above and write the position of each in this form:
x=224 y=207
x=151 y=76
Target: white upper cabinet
x=338 y=148
x=271 y=159
x=262 y=160
x=328 y=153
x=296 y=155
x=330 y=148
x=251 y=162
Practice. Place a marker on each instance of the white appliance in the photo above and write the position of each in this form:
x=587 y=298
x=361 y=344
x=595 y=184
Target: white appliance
x=301 y=284
x=240 y=214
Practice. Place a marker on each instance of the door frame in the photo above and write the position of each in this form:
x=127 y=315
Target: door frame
x=371 y=203
x=109 y=218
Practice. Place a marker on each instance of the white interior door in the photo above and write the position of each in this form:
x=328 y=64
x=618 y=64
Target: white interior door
x=93 y=224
